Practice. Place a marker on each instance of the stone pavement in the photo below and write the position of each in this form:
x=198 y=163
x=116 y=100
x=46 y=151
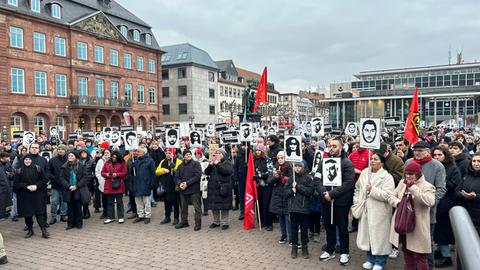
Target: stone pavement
x=154 y=246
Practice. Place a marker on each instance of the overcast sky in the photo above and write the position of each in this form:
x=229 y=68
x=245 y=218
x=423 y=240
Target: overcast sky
x=308 y=43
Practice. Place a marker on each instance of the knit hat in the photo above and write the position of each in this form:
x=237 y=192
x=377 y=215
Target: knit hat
x=413 y=167
x=300 y=164
x=222 y=151
x=281 y=153
x=198 y=151
x=260 y=147
x=172 y=151
x=62 y=147
x=81 y=144
x=104 y=145
x=186 y=151
x=321 y=144
x=75 y=153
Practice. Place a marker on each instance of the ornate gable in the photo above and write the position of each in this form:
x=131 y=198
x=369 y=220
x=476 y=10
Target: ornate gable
x=99 y=25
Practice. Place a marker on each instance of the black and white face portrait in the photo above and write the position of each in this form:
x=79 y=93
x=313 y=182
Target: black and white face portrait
x=246 y=132
x=331 y=172
x=131 y=139
x=210 y=130
x=332 y=169
x=114 y=137
x=275 y=125
x=28 y=137
x=317 y=125
x=292 y=148
x=47 y=155
x=53 y=131
x=352 y=128
x=317 y=159
x=369 y=131
x=172 y=137
x=308 y=127
x=272 y=131
x=195 y=138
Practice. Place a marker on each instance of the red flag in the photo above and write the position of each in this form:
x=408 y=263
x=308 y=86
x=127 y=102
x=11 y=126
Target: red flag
x=250 y=195
x=412 y=130
x=261 y=90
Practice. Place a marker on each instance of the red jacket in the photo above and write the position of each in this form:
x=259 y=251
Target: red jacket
x=359 y=160
x=121 y=170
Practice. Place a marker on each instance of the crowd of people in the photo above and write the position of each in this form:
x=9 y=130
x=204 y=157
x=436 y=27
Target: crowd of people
x=437 y=173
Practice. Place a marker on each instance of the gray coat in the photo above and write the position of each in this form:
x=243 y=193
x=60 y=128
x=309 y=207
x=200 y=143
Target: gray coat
x=434 y=173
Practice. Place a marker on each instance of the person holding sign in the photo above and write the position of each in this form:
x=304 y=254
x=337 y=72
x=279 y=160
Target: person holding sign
x=339 y=199
x=371 y=207
x=299 y=189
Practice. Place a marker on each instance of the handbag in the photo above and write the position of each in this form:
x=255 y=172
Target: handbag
x=359 y=207
x=116 y=183
x=405 y=216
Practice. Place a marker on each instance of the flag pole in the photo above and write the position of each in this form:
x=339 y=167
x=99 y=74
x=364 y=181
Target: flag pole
x=258 y=215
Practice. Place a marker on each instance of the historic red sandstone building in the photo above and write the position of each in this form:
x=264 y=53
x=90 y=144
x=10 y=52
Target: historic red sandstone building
x=78 y=64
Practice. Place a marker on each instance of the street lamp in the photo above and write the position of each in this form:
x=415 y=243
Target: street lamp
x=191 y=117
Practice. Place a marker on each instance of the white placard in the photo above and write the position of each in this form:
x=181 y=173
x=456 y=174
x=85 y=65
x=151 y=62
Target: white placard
x=195 y=139
x=351 y=129
x=115 y=138
x=332 y=172
x=54 y=131
x=255 y=136
x=318 y=128
x=184 y=129
x=272 y=131
x=317 y=160
x=28 y=138
x=246 y=132
x=307 y=127
x=370 y=133
x=210 y=132
x=292 y=146
x=275 y=125
x=131 y=140
x=172 y=139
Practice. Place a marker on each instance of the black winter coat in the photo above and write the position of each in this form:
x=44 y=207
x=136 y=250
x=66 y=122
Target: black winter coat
x=30 y=203
x=299 y=202
x=263 y=169
x=240 y=169
x=81 y=193
x=273 y=151
x=279 y=201
x=167 y=180
x=342 y=195
x=190 y=172
x=219 y=185
x=470 y=183
x=5 y=191
x=462 y=161
x=54 y=169
x=92 y=181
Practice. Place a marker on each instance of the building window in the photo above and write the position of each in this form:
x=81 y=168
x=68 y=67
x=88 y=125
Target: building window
x=140 y=93
x=182 y=108
x=221 y=90
x=211 y=76
x=113 y=57
x=182 y=56
x=127 y=61
x=40 y=83
x=82 y=86
x=98 y=54
x=16 y=123
x=211 y=93
x=128 y=91
x=182 y=90
x=114 y=89
x=13 y=2
x=17 y=78
x=61 y=85
x=39 y=124
x=56 y=11
x=124 y=30
x=151 y=96
x=148 y=39
x=136 y=35
x=16 y=37
x=139 y=63
x=99 y=88
x=166 y=109
x=35 y=5
x=82 y=51
x=182 y=73
x=39 y=42
x=165 y=74
x=212 y=109
x=165 y=91
x=151 y=66
x=60 y=48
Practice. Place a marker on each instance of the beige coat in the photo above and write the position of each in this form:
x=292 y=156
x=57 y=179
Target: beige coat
x=374 y=224
x=423 y=198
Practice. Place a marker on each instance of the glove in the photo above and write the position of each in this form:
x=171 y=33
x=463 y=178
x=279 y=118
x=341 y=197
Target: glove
x=408 y=183
x=262 y=183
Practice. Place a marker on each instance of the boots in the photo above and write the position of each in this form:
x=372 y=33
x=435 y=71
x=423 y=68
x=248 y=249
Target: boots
x=30 y=233
x=294 y=251
x=45 y=233
x=305 y=254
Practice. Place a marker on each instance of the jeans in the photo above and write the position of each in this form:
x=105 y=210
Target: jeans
x=14 y=211
x=223 y=220
x=299 y=220
x=444 y=250
x=75 y=214
x=196 y=200
x=144 y=206
x=111 y=199
x=56 y=198
x=380 y=260
x=2 y=247
x=285 y=226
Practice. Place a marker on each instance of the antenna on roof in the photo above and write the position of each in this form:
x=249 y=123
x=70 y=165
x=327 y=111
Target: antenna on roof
x=460 y=57
x=450 y=54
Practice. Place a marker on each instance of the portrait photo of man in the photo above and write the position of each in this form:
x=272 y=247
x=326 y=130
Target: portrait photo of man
x=172 y=138
x=351 y=129
x=369 y=131
x=131 y=141
x=332 y=174
x=210 y=130
x=246 y=132
x=114 y=138
x=28 y=137
x=317 y=126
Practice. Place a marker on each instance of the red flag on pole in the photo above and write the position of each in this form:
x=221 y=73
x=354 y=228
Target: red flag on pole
x=412 y=129
x=261 y=90
x=250 y=195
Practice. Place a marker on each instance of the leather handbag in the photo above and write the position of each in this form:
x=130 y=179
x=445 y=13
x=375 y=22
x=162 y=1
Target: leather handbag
x=405 y=216
x=116 y=183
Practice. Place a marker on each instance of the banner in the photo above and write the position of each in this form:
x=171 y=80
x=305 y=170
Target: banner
x=250 y=195
x=412 y=129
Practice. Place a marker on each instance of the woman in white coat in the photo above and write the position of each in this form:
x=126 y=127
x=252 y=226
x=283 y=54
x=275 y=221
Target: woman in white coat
x=371 y=207
x=101 y=180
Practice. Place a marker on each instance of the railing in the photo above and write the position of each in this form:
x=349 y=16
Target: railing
x=88 y=101
x=466 y=239
x=429 y=90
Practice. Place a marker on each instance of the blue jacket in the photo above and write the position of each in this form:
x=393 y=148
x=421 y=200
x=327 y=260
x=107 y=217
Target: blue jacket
x=144 y=175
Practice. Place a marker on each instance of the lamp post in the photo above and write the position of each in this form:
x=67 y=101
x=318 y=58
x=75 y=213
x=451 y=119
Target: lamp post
x=191 y=117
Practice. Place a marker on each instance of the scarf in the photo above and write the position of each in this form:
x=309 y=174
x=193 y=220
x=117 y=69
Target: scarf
x=73 y=176
x=423 y=161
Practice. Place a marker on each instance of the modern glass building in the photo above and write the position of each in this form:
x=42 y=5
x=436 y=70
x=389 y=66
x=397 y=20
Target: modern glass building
x=446 y=93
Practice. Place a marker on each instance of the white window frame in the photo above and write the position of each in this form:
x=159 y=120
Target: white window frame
x=16 y=36
x=152 y=67
x=114 y=57
x=61 y=85
x=16 y=123
x=114 y=89
x=136 y=35
x=128 y=91
x=140 y=97
x=82 y=48
x=35 y=5
x=124 y=30
x=13 y=2
x=140 y=64
x=98 y=53
x=127 y=60
x=60 y=47
x=18 y=73
x=99 y=85
x=148 y=39
x=82 y=81
x=152 y=95
x=39 y=42
x=56 y=11
x=40 y=83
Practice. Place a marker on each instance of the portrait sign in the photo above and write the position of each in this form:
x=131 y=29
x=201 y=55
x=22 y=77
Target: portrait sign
x=351 y=129
x=332 y=172
x=131 y=140
x=246 y=132
x=53 y=131
x=292 y=146
x=370 y=133
x=210 y=132
x=195 y=139
x=172 y=138
x=115 y=138
x=28 y=138
x=318 y=128
x=317 y=160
